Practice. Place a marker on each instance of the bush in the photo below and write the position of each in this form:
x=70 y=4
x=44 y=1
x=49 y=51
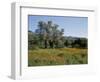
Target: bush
x=33 y=47
x=60 y=54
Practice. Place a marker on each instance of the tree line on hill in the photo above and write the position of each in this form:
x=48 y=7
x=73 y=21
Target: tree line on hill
x=48 y=35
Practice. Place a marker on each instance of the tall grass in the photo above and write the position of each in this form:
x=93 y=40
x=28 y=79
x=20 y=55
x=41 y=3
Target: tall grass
x=60 y=56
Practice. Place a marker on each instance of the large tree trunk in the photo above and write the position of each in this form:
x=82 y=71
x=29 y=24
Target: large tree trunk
x=56 y=44
x=45 y=43
x=51 y=44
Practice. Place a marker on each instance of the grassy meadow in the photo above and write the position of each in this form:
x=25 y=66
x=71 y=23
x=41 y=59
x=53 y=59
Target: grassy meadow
x=58 y=56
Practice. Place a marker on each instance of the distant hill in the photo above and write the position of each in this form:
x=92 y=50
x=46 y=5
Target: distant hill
x=73 y=38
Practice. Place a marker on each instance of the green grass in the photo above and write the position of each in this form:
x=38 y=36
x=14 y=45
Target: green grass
x=61 y=56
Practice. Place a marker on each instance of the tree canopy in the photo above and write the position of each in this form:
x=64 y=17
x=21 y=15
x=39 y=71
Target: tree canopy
x=48 y=35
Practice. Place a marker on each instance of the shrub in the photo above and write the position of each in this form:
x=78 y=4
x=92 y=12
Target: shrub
x=60 y=54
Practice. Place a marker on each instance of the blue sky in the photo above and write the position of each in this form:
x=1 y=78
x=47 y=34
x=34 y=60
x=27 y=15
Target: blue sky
x=73 y=26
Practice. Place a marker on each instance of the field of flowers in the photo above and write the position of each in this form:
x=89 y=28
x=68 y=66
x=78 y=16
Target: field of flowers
x=60 y=56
